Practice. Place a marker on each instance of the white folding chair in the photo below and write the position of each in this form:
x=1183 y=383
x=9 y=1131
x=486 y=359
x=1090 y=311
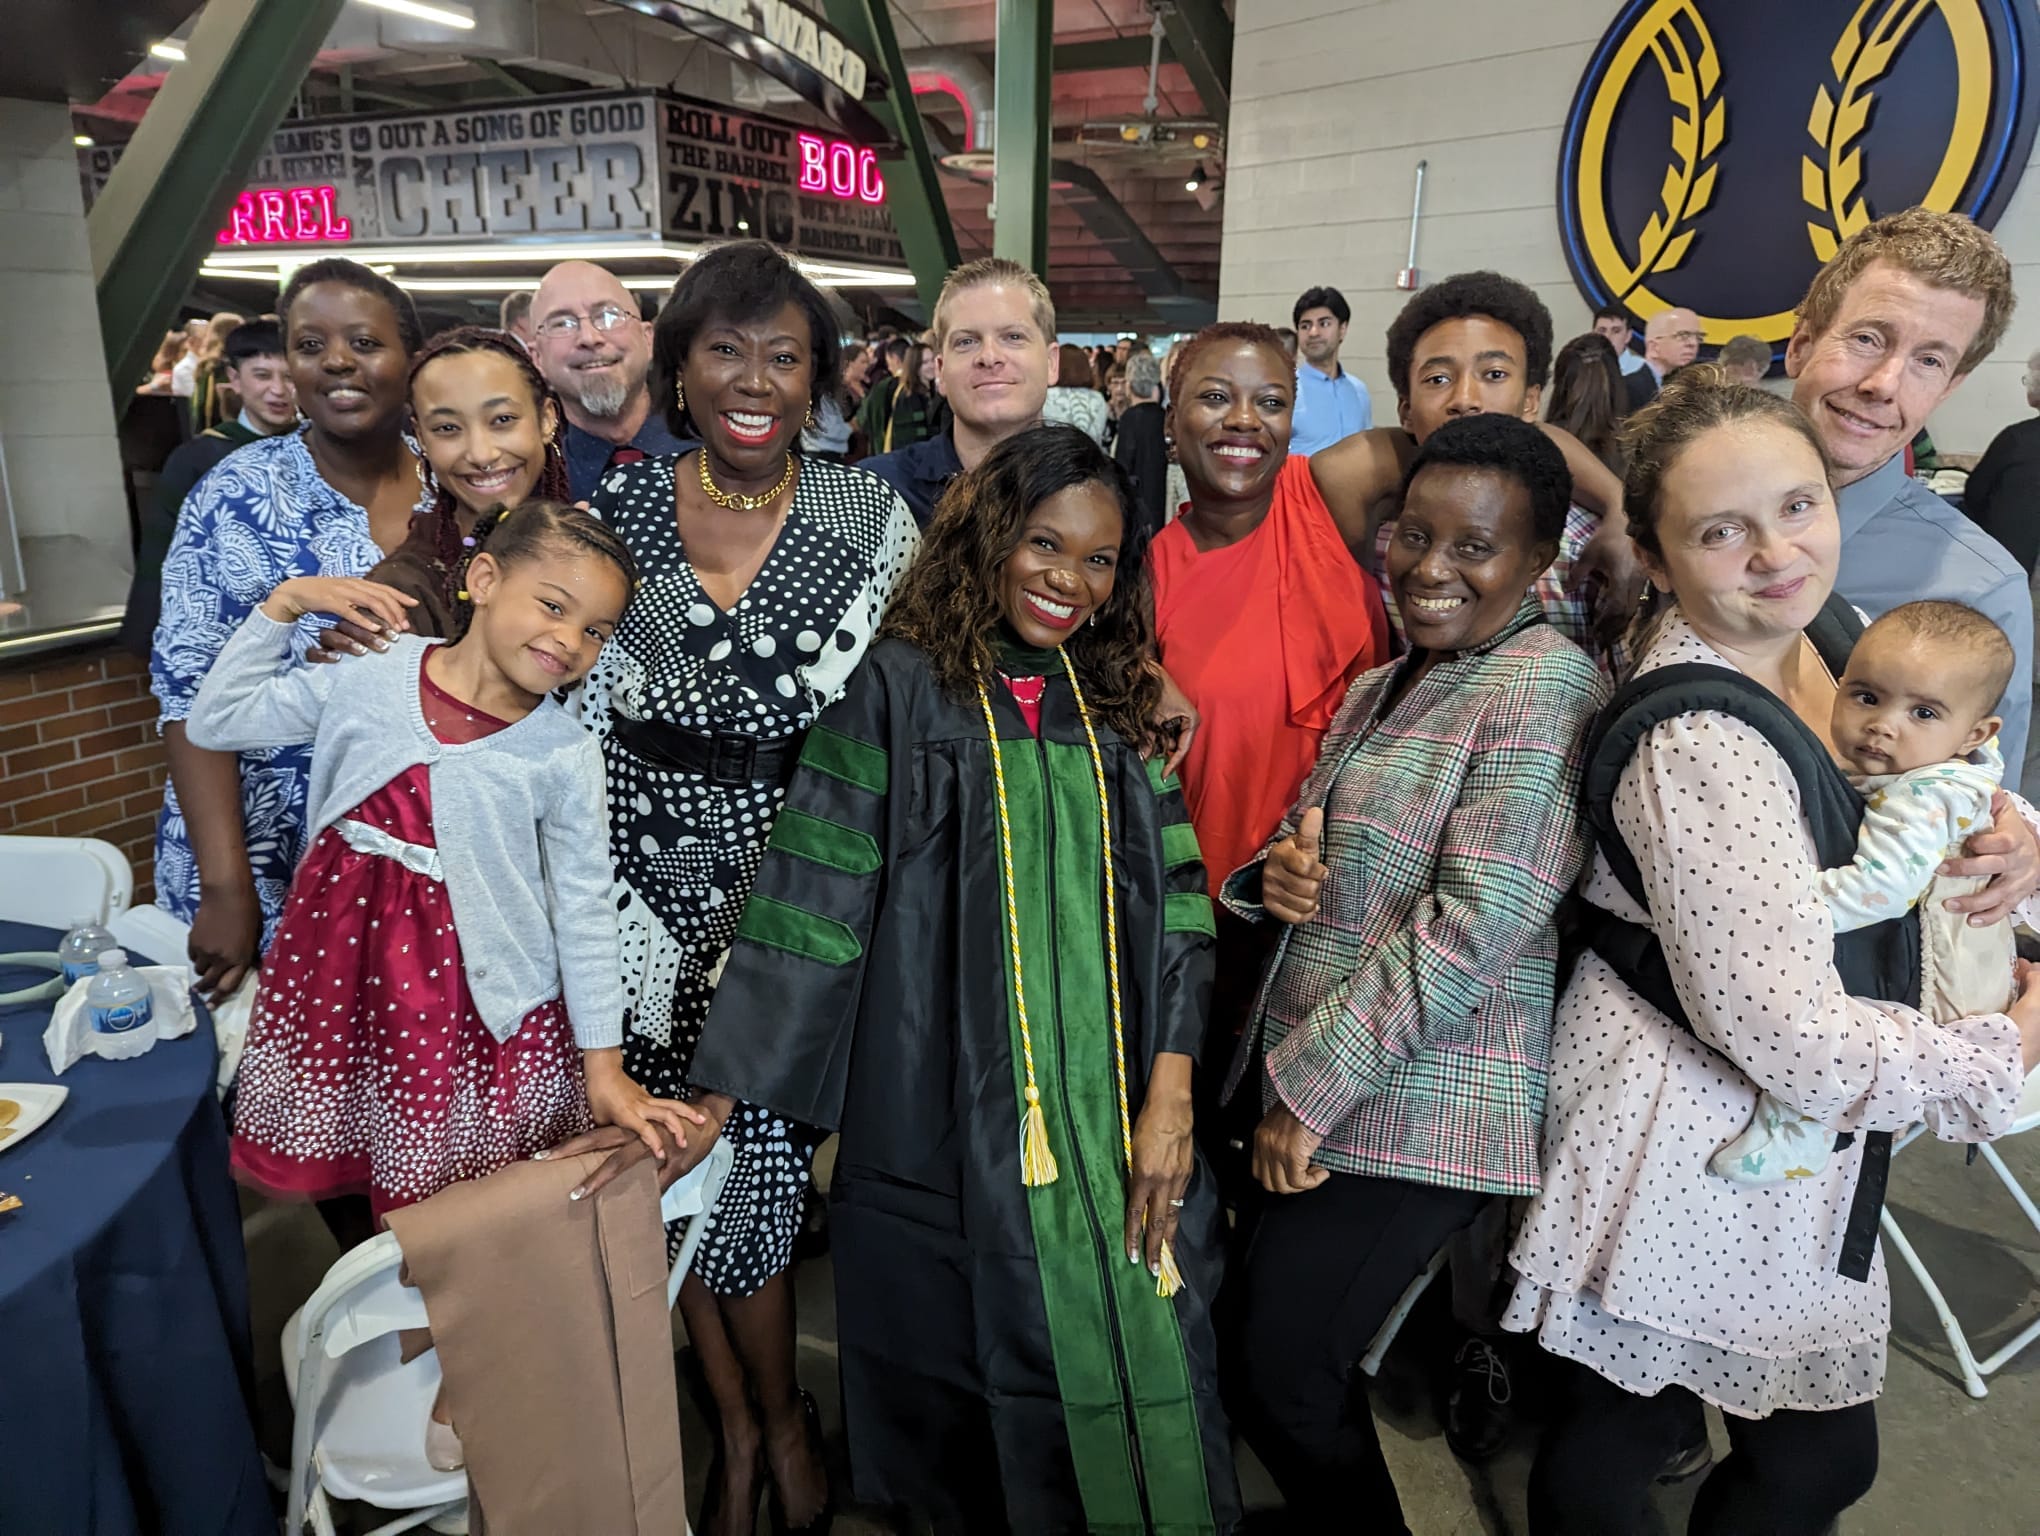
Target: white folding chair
x=56 y=881
x=1400 y=1313
x=359 y=1430
x=1973 y=1369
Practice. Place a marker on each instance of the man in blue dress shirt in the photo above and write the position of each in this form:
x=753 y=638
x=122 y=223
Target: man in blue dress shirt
x=1330 y=403
x=1892 y=324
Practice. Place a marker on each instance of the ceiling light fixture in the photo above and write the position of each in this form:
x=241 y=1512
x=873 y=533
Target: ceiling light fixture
x=167 y=50
x=1196 y=178
x=446 y=17
x=83 y=140
x=264 y=265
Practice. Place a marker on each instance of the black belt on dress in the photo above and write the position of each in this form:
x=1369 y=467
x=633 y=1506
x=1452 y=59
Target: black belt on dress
x=722 y=757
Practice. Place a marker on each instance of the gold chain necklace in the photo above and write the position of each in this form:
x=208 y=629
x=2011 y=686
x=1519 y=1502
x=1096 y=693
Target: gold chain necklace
x=734 y=500
x=1037 y=1161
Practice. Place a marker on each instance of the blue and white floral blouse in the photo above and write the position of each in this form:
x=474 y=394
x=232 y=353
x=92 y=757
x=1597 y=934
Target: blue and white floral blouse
x=262 y=516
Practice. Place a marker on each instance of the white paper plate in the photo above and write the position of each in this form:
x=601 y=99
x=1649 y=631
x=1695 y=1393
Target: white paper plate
x=25 y=1106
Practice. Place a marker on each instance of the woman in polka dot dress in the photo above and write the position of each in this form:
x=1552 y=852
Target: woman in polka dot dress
x=764 y=575
x=1659 y=1284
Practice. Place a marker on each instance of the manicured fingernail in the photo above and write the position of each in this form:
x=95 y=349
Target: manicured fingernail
x=539 y=1157
x=1155 y=1270
x=577 y=1194
x=382 y=645
x=358 y=650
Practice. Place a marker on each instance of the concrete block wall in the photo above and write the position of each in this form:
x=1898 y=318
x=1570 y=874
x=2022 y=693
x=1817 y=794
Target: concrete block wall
x=1335 y=102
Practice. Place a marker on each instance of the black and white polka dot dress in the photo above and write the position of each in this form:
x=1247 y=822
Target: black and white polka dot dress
x=687 y=849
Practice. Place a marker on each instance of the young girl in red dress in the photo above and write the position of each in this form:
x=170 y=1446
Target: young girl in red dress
x=449 y=940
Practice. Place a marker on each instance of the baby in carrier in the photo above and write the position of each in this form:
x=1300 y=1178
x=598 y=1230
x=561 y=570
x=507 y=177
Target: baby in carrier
x=1913 y=724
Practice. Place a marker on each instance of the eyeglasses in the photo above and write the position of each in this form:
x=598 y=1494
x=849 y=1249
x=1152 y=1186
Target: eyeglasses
x=1693 y=336
x=606 y=317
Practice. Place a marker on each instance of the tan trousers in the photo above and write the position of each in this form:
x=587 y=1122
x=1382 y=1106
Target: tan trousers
x=550 y=1319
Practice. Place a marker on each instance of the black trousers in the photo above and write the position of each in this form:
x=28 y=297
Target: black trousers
x=1791 y=1474
x=1323 y=1271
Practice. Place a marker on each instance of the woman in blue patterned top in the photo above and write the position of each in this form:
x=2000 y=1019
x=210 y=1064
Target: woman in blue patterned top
x=327 y=500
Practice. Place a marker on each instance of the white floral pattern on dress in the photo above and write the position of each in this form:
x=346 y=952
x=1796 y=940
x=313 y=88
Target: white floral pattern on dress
x=262 y=515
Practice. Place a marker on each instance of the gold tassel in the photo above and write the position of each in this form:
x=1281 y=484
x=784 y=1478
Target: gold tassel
x=1037 y=1163
x=1170 y=1280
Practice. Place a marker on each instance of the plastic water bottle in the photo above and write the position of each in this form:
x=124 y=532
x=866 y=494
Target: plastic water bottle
x=118 y=1003
x=82 y=948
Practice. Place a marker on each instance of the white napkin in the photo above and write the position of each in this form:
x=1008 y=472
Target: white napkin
x=71 y=1035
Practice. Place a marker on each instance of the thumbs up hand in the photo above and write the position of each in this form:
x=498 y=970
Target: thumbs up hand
x=1292 y=876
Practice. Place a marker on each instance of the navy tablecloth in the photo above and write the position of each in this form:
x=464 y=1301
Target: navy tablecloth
x=124 y=1408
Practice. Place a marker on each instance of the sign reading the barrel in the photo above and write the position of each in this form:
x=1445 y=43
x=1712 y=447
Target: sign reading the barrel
x=1718 y=151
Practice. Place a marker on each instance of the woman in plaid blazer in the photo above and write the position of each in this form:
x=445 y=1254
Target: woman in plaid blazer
x=1403 y=1030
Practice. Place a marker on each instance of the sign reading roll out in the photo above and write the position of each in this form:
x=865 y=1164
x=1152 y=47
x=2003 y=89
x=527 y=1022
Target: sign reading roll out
x=1718 y=151
x=612 y=167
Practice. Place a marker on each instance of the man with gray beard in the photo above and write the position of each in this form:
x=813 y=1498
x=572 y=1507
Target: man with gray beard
x=595 y=349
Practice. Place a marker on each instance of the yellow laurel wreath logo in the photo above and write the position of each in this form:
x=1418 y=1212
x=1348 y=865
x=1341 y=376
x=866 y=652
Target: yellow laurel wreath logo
x=1692 y=76
x=1833 y=183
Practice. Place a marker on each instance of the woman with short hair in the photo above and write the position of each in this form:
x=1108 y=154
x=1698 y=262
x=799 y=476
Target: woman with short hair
x=765 y=574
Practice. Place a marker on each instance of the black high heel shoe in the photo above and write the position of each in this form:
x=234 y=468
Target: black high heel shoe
x=825 y=1517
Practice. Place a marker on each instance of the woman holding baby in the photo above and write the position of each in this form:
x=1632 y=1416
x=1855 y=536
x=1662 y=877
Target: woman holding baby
x=1717 y=977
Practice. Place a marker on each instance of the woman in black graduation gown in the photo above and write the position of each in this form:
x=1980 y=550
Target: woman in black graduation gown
x=1025 y=1246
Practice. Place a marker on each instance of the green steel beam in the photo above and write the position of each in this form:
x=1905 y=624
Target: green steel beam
x=1020 y=103
x=496 y=73
x=1201 y=36
x=913 y=191
x=172 y=188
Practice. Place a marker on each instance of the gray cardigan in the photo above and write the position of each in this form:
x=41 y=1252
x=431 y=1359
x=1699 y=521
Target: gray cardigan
x=520 y=817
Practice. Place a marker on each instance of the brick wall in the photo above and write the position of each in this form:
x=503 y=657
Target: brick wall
x=79 y=755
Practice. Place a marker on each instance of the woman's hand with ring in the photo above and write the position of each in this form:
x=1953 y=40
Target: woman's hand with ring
x=1292 y=877
x=1162 y=1162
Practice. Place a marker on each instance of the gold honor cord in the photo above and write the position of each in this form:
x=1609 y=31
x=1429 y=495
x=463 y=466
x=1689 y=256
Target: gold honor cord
x=1037 y=1162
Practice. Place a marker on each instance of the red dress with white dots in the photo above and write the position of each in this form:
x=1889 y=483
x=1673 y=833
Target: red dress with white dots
x=368 y=1070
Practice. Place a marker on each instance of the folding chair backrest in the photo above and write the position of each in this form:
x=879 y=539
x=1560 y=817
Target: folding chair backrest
x=55 y=881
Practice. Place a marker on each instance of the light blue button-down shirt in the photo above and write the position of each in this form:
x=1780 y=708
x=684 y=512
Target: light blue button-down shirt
x=1327 y=409
x=1630 y=361
x=1902 y=544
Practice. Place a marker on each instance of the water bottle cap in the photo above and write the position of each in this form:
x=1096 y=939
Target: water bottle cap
x=109 y=958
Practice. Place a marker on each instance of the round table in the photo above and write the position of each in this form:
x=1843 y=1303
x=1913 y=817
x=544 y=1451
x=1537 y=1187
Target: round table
x=123 y=1295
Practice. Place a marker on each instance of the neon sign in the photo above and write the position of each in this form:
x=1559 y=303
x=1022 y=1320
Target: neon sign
x=839 y=169
x=282 y=216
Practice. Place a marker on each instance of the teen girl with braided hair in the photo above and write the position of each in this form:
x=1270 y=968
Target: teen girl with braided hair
x=490 y=430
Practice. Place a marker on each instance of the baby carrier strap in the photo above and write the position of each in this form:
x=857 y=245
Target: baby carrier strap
x=1879 y=961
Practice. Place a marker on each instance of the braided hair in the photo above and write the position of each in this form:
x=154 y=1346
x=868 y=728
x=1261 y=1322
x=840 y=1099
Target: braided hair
x=450 y=552
x=510 y=535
